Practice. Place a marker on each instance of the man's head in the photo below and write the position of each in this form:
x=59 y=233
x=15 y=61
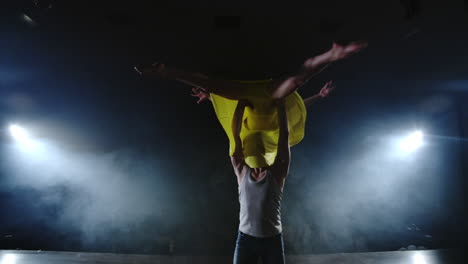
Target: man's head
x=255 y=150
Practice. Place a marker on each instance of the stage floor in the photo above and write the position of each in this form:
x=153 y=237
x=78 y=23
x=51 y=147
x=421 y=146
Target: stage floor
x=394 y=257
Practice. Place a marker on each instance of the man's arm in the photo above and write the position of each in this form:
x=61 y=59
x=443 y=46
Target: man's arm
x=282 y=161
x=237 y=158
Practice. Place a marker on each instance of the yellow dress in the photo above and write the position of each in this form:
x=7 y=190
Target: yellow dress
x=260 y=130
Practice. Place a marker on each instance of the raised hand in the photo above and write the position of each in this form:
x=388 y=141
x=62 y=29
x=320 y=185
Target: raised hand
x=326 y=89
x=200 y=94
x=339 y=51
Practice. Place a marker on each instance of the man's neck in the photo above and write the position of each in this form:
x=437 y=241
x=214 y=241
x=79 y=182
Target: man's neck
x=258 y=173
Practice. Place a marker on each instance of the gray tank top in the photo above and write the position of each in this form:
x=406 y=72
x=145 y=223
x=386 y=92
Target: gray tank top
x=260 y=205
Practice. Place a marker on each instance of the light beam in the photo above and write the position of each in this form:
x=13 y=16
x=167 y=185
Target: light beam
x=412 y=142
x=18 y=133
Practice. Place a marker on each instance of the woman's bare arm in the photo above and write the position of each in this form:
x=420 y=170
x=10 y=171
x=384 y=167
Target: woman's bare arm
x=324 y=92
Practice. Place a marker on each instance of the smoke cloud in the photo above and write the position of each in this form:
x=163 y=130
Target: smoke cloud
x=97 y=195
x=365 y=195
x=353 y=193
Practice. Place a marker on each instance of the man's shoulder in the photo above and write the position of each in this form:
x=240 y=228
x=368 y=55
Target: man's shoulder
x=277 y=172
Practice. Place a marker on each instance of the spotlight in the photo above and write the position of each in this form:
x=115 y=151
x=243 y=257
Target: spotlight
x=418 y=258
x=8 y=259
x=24 y=141
x=412 y=142
x=18 y=132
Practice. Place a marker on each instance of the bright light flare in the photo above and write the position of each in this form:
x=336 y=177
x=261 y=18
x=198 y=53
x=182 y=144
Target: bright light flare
x=412 y=142
x=418 y=258
x=24 y=141
x=18 y=133
x=8 y=259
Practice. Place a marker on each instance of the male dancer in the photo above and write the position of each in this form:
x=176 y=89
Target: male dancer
x=260 y=194
x=260 y=187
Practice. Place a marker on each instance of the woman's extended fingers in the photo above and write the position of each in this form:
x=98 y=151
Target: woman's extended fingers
x=329 y=84
x=355 y=46
x=327 y=88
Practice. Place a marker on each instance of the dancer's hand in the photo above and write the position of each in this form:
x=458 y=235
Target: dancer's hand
x=200 y=94
x=339 y=51
x=155 y=68
x=326 y=89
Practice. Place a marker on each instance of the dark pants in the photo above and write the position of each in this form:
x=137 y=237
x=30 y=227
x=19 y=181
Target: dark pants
x=249 y=249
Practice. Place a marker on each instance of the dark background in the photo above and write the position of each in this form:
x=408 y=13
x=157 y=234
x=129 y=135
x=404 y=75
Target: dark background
x=133 y=165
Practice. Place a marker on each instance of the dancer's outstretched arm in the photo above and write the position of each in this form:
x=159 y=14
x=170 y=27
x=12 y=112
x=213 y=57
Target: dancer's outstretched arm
x=324 y=92
x=237 y=159
x=281 y=165
x=283 y=87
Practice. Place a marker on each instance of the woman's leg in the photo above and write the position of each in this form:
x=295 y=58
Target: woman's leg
x=277 y=89
x=281 y=88
x=227 y=89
